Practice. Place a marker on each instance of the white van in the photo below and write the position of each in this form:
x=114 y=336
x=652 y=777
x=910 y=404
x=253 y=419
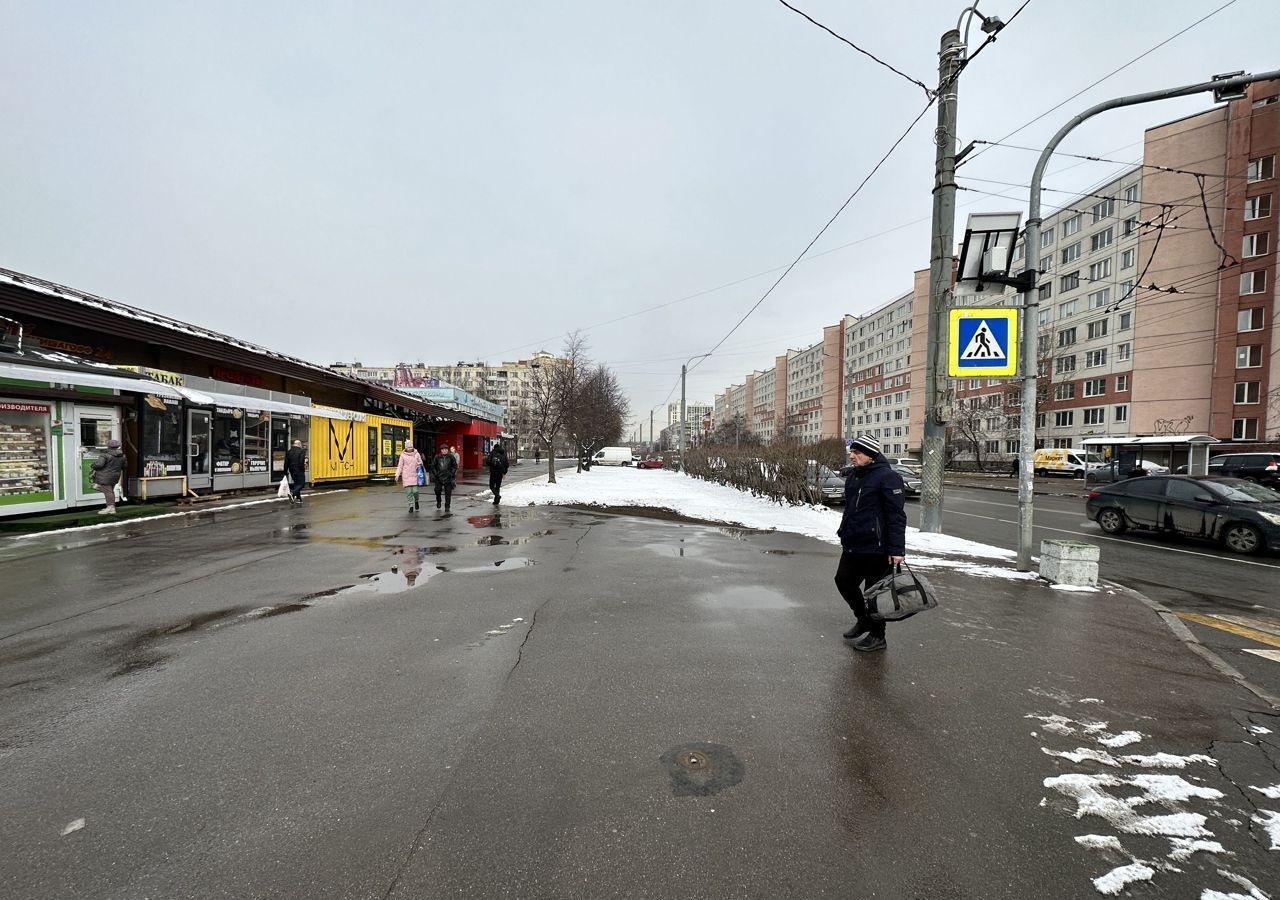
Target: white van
x=1065 y=461
x=612 y=456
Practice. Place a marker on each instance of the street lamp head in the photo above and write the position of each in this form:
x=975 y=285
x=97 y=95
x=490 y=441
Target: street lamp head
x=991 y=24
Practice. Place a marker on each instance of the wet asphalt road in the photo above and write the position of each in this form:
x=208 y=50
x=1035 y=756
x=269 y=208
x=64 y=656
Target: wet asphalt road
x=1199 y=578
x=254 y=703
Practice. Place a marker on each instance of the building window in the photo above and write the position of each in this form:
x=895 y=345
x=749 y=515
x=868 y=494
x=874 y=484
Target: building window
x=1256 y=244
x=1064 y=418
x=1041 y=418
x=1046 y=237
x=1045 y=291
x=1011 y=446
x=1066 y=337
x=1121 y=413
x=1071 y=226
x=1019 y=252
x=1064 y=364
x=1095 y=387
x=1065 y=391
x=1262 y=168
x=1044 y=316
x=1069 y=282
x=1067 y=310
x=1122 y=384
x=1127 y=258
x=1249 y=357
x=1131 y=194
x=1253 y=282
x=1099 y=299
x=1244 y=429
x=1100 y=270
x=1257 y=207
x=1248 y=391
x=1045 y=340
x=1124 y=352
x=1126 y=321
x=1096 y=415
x=1095 y=358
x=1098 y=329
x=1071 y=254
x=1249 y=319
x=1130 y=226
x=1102 y=210
x=1046 y=263
x=1103 y=238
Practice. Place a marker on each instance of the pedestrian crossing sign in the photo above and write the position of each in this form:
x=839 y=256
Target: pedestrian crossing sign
x=983 y=342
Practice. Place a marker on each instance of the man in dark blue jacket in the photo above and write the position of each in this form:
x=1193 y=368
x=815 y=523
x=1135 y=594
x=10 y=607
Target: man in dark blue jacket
x=873 y=534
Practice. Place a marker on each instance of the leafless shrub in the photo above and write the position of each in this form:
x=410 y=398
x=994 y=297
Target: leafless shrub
x=779 y=471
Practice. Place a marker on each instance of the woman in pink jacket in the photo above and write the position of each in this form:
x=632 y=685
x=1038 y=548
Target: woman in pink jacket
x=407 y=473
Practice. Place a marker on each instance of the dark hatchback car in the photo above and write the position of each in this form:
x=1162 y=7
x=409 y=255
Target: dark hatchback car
x=1243 y=516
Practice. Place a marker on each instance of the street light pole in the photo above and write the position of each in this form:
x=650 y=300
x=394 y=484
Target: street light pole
x=684 y=370
x=933 y=443
x=1030 y=323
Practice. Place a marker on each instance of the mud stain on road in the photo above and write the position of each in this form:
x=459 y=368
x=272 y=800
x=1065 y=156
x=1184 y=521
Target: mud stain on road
x=142 y=652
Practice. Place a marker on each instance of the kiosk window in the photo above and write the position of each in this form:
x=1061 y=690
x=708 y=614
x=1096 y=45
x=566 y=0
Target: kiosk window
x=161 y=448
x=227 y=427
x=24 y=452
x=393 y=438
x=257 y=441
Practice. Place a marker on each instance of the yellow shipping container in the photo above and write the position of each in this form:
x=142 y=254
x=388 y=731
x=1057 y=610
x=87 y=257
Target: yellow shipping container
x=339 y=449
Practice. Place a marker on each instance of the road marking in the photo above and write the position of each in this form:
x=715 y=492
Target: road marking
x=1273 y=655
x=1094 y=536
x=1221 y=623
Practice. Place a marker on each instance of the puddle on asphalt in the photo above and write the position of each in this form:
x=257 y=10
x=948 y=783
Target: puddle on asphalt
x=496 y=520
x=749 y=597
x=672 y=550
x=701 y=769
x=515 y=562
x=779 y=552
x=492 y=540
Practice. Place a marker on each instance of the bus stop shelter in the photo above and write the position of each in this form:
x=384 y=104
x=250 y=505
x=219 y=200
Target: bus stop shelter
x=1172 y=450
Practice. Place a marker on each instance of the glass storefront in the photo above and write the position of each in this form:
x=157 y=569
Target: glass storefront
x=257 y=442
x=25 y=459
x=228 y=441
x=393 y=438
x=160 y=447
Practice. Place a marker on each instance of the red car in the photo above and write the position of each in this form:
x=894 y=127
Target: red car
x=653 y=462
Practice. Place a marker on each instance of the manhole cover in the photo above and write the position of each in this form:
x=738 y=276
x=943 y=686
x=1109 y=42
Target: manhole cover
x=700 y=769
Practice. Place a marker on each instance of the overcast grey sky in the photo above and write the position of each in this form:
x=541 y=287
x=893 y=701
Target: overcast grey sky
x=309 y=176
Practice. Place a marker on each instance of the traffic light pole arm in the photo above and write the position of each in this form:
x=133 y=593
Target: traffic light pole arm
x=1030 y=317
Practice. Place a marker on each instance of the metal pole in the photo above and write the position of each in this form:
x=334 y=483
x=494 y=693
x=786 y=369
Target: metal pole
x=933 y=444
x=651 y=431
x=683 y=372
x=1030 y=326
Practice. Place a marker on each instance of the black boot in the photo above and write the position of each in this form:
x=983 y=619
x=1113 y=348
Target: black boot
x=860 y=627
x=415 y=503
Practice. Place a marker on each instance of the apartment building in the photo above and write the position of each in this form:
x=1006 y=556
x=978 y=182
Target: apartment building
x=877 y=358
x=765 y=387
x=1206 y=346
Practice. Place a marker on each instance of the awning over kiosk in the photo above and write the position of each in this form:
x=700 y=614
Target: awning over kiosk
x=261 y=404
x=84 y=377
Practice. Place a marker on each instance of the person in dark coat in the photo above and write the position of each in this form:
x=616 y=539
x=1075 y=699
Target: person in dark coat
x=873 y=534
x=105 y=474
x=295 y=469
x=498 y=465
x=444 y=472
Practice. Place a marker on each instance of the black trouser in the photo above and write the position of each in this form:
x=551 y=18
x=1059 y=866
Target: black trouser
x=448 y=493
x=495 y=482
x=854 y=570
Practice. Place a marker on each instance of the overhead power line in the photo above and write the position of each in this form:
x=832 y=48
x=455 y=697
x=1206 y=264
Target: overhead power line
x=928 y=92
x=1110 y=74
x=1118 y=162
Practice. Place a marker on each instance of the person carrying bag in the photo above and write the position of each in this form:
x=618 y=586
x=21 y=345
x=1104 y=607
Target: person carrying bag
x=873 y=535
x=409 y=474
x=899 y=595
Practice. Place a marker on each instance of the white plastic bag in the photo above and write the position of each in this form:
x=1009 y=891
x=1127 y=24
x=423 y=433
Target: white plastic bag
x=120 y=497
x=283 y=492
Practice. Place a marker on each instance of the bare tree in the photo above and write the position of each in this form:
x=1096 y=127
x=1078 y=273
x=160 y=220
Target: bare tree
x=598 y=412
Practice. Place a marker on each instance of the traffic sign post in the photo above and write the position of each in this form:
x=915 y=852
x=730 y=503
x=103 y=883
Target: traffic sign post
x=983 y=342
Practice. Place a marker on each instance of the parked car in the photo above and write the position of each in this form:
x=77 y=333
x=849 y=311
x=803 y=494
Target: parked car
x=1263 y=468
x=1242 y=515
x=653 y=462
x=824 y=484
x=906 y=461
x=1107 y=471
x=910 y=479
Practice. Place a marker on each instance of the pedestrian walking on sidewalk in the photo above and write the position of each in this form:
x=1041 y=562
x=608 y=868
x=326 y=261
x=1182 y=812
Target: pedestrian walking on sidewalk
x=105 y=474
x=295 y=469
x=409 y=472
x=498 y=465
x=444 y=471
x=873 y=534
x=1013 y=467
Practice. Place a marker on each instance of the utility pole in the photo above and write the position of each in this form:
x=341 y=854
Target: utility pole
x=684 y=370
x=1224 y=87
x=933 y=445
x=651 y=431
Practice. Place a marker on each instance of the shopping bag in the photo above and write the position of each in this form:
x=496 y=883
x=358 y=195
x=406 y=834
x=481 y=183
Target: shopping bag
x=422 y=475
x=120 y=497
x=283 y=492
x=899 y=595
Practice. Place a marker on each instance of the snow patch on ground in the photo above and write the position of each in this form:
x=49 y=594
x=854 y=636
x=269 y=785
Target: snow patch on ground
x=698 y=499
x=1123 y=739
x=1119 y=878
x=1271 y=792
x=1270 y=821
